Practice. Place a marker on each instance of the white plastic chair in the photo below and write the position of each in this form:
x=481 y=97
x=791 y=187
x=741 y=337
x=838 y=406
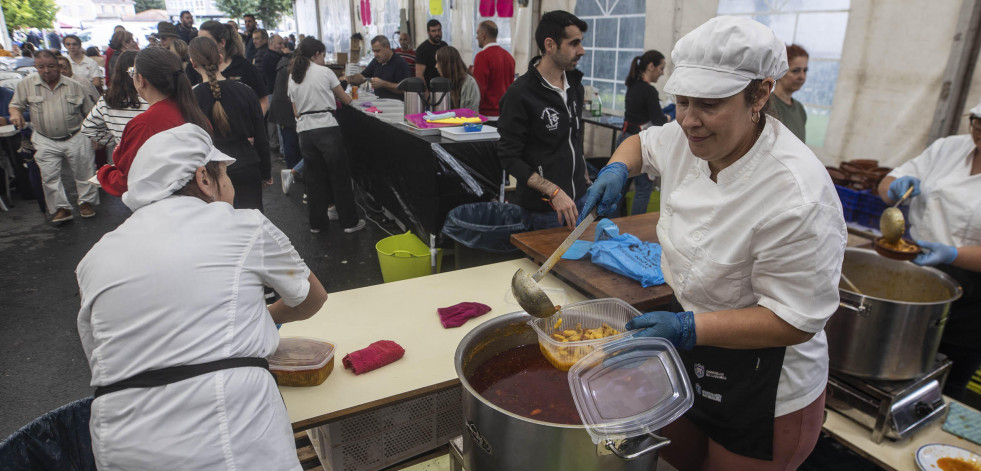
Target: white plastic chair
x=27 y=69
x=10 y=75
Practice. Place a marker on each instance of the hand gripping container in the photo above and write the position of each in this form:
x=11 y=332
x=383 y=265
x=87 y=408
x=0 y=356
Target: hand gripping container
x=301 y=361
x=589 y=314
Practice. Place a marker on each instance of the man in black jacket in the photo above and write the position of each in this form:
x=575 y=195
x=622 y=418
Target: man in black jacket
x=541 y=129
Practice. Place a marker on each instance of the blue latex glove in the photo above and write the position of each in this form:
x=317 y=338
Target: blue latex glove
x=899 y=186
x=604 y=194
x=934 y=253
x=677 y=327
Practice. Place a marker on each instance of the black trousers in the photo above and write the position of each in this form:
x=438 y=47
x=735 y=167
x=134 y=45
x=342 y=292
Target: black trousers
x=248 y=186
x=327 y=176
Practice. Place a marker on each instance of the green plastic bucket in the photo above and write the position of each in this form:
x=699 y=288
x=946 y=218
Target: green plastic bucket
x=404 y=256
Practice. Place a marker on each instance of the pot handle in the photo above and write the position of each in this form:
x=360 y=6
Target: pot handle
x=659 y=442
x=861 y=309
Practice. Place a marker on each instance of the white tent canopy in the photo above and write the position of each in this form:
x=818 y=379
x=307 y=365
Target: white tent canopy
x=891 y=77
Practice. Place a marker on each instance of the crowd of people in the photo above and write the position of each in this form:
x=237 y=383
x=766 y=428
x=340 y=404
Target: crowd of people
x=752 y=230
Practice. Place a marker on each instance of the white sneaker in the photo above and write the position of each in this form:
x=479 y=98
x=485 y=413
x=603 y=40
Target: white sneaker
x=332 y=213
x=357 y=227
x=286 y=175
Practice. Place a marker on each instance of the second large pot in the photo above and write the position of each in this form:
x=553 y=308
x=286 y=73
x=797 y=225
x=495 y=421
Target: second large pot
x=892 y=330
x=496 y=439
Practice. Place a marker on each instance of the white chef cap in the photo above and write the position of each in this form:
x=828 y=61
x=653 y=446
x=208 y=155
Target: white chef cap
x=976 y=111
x=166 y=162
x=719 y=58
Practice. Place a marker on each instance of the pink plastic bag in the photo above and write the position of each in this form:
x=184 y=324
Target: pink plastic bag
x=505 y=8
x=487 y=7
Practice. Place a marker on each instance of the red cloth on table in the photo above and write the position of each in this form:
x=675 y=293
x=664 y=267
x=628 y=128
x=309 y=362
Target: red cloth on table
x=458 y=314
x=373 y=356
x=161 y=116
x=493 y=69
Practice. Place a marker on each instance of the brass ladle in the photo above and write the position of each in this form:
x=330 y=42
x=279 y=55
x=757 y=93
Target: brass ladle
x=892 y=224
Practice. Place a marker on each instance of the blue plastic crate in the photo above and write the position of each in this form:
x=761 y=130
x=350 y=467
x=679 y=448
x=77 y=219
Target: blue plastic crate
x=849 y=202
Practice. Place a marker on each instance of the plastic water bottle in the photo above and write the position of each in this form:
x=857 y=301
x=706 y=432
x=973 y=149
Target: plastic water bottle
x=597 y=108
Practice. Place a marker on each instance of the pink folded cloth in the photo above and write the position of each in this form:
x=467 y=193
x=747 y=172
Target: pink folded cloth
x=459 y=314
x=373 y=356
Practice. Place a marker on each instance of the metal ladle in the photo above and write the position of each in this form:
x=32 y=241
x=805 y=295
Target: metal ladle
x=892 y=224
x=525 y=288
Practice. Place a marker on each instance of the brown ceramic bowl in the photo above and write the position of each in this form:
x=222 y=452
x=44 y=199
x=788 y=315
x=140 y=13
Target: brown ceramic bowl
x=896 y=254
x=865 y=164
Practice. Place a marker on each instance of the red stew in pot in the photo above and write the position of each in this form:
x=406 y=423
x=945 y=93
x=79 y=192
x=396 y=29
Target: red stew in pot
x=523 y=382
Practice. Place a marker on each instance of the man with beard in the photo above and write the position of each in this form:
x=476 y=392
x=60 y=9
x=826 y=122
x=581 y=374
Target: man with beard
x=250 y=46
x=541 y=127
x=186 y=29
x=426 y=52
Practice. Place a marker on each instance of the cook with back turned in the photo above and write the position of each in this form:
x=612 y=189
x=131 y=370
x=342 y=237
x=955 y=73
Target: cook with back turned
x=753 y=241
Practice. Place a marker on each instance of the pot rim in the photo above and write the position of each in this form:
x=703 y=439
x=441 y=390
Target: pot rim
x=959 y=291
x=516 y=317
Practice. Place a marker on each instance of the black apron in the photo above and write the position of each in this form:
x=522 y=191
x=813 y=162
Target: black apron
x=735 y=395
x=173 y=374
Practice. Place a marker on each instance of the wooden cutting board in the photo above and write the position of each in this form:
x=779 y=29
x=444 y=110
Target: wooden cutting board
x=595 y=281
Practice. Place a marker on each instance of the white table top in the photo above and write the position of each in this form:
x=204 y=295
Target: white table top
x=405 y=312
x=899 y=455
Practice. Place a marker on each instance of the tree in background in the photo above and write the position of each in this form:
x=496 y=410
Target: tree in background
x=29 y=13
x=143 y=5
x=268 y=11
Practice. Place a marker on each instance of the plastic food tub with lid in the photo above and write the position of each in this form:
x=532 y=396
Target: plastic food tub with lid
x=301 y=361
x=588 y=314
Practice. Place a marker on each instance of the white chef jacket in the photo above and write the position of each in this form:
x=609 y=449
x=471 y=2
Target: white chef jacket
x=180 y=283
x=770 y=232
x=948 y=209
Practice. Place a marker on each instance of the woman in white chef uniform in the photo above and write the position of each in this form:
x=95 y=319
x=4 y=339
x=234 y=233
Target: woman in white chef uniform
x=753 y=239
x=945 y=215
x=174 y=324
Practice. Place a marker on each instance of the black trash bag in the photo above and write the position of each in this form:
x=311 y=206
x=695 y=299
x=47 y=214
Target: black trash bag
x=58 y=440
x=485 y=226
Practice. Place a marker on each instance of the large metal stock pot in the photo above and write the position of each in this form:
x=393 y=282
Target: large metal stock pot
x=498 y=440
x=892 y=330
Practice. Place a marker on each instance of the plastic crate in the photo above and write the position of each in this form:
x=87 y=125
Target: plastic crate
x=849 y=202
x=382 y=437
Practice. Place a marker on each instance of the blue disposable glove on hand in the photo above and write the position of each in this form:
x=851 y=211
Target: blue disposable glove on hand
x=604 y=194
x=677 y=327
x=899 y=186
x=935 y=254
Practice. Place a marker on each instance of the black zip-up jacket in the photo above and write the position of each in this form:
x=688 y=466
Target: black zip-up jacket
x=541 y=134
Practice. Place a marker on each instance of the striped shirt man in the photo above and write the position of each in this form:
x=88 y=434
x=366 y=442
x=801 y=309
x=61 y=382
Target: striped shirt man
x=55 y=113
x=105 y=125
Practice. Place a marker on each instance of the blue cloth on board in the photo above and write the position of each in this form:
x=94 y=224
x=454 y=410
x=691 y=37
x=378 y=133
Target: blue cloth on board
x=621 y=253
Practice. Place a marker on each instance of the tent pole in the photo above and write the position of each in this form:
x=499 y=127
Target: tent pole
x=960 y=68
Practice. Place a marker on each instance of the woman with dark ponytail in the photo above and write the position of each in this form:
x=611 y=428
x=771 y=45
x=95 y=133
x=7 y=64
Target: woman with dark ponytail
x=160 y=80
x=234 y=65
x=236 y=118
x=315 y=91
x=642 y=109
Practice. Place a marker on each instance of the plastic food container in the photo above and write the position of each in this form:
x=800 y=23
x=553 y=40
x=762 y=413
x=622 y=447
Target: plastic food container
x=473 y=127
x=590 y=314
x=301 y=361
x=630 y=387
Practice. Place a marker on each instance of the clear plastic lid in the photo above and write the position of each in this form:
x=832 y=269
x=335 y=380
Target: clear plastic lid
x=300 y=354
x=630 y=387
